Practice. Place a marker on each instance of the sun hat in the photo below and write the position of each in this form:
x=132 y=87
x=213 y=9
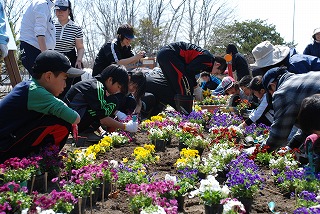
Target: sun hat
x=51 y=60
x=267 y=54
x=61 y=5
x=315 y=31
x=227 y=82
x=272 y=75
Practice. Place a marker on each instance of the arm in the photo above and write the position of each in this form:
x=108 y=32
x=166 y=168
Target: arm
x=4 y=39
x=110 y=122
x=80 y=52
x=307 y=50
x=42 y=43
x=130 y=60
x=258 y=112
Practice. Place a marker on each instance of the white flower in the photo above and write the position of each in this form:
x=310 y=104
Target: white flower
x=158 y=210
x=171 y=178
x=231 y=204
x=114 y=163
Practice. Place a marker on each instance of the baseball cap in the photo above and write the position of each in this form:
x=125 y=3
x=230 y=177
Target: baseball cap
x=227 y=82
x=272 y=75
x=51 y=60
x=127 y=31
x=61 y=5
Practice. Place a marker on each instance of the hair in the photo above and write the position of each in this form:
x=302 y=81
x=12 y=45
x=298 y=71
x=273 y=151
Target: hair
x=231 y=48
x=37 y=75
x=139 y=78
x=256 y=83
x=309 y=114
x=123 y=30
x=70 y=10
x=245 y=81
x=223 y=63
x=118 y=73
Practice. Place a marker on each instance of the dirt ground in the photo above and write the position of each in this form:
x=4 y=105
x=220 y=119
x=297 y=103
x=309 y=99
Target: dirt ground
x=119 y=205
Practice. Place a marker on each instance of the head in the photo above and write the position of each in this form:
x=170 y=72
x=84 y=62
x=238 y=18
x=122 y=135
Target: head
x=137 y=83
x=115 y=79
x=205 y=76
x=228 y=85
x=256 y=87
x=244 y=84
x=231 y=49
x=63 y=10
x=219 y=66
x=316 y=34
x=268 y=56
x=125 y=34
x=51 y=69
x=308 y=117
x=271 y=78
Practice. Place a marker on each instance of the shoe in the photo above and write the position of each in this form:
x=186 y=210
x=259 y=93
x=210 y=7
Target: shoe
x=91 y=136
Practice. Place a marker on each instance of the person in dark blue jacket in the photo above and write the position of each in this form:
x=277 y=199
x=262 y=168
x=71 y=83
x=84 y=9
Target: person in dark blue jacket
x=239 y=63
x=268 y=56
x=313 y=48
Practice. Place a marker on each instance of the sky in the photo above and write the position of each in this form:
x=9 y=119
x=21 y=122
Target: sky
x=280 y=13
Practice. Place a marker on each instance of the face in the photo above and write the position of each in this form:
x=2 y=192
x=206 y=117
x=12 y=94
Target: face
x=62 y=14
x=247 y=91
x=259 y=94
x=132 y=87
x=231 y=90
x=215 y=70
x=126 y=42
x=112 y=88
x=205 y=78
x=317 y=36
x=55 y=85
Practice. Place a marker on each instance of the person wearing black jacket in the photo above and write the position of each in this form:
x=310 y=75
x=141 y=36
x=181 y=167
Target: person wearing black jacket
x=180 y=63
x=239 y=63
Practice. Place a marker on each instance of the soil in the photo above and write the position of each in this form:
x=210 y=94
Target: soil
x=119 y=204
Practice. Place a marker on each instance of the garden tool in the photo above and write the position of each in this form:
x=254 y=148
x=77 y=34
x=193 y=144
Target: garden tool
x=272 y=206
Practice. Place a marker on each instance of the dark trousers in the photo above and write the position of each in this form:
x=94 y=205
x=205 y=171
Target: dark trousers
x=29 y=54
x=30 y=138
x=173 y=68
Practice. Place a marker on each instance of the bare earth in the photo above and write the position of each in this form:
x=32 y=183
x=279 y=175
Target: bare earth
x=119 y=205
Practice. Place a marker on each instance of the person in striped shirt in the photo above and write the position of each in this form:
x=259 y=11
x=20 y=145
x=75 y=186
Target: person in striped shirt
x=69 y=38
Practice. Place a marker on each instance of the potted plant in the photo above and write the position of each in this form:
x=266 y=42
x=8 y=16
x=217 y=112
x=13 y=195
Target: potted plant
x=159 y=138
x=211 y=193
x=197 y=142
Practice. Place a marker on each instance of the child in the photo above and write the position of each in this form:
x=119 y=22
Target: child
x=97 y=100
x=30 y=115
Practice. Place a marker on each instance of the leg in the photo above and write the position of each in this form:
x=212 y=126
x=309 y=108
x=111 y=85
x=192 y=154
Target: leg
x=173 y=68
x=39 y=133
x=28 y=55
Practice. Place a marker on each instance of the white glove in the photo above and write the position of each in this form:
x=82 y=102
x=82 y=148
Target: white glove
x=284 y=150
x=121 y=116
x=4 y=50
x=131 y=126
x=197 y=92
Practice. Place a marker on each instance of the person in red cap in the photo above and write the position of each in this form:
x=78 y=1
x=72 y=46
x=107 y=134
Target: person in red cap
x=117 y=51
x=31 y=115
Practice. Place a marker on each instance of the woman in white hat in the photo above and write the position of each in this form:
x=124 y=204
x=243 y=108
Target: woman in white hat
x=313 y=48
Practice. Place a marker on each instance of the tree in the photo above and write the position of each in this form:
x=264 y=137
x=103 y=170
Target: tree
x=246 y=35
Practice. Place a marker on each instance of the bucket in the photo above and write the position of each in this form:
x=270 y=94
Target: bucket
x=183 y=103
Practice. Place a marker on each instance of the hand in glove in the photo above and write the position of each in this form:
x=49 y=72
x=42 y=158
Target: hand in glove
x=4 y=50
x=121 y=116
x=131 y=126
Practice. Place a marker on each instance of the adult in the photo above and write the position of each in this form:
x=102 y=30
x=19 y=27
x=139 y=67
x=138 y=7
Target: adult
x=31 y=115
x=4 y=39
x=180 y=62
x=268 y=56
x=239 y=63
x=313 y=48
x=37 y=32
x=69 y=38
x=288 y=91
x=117 y=51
